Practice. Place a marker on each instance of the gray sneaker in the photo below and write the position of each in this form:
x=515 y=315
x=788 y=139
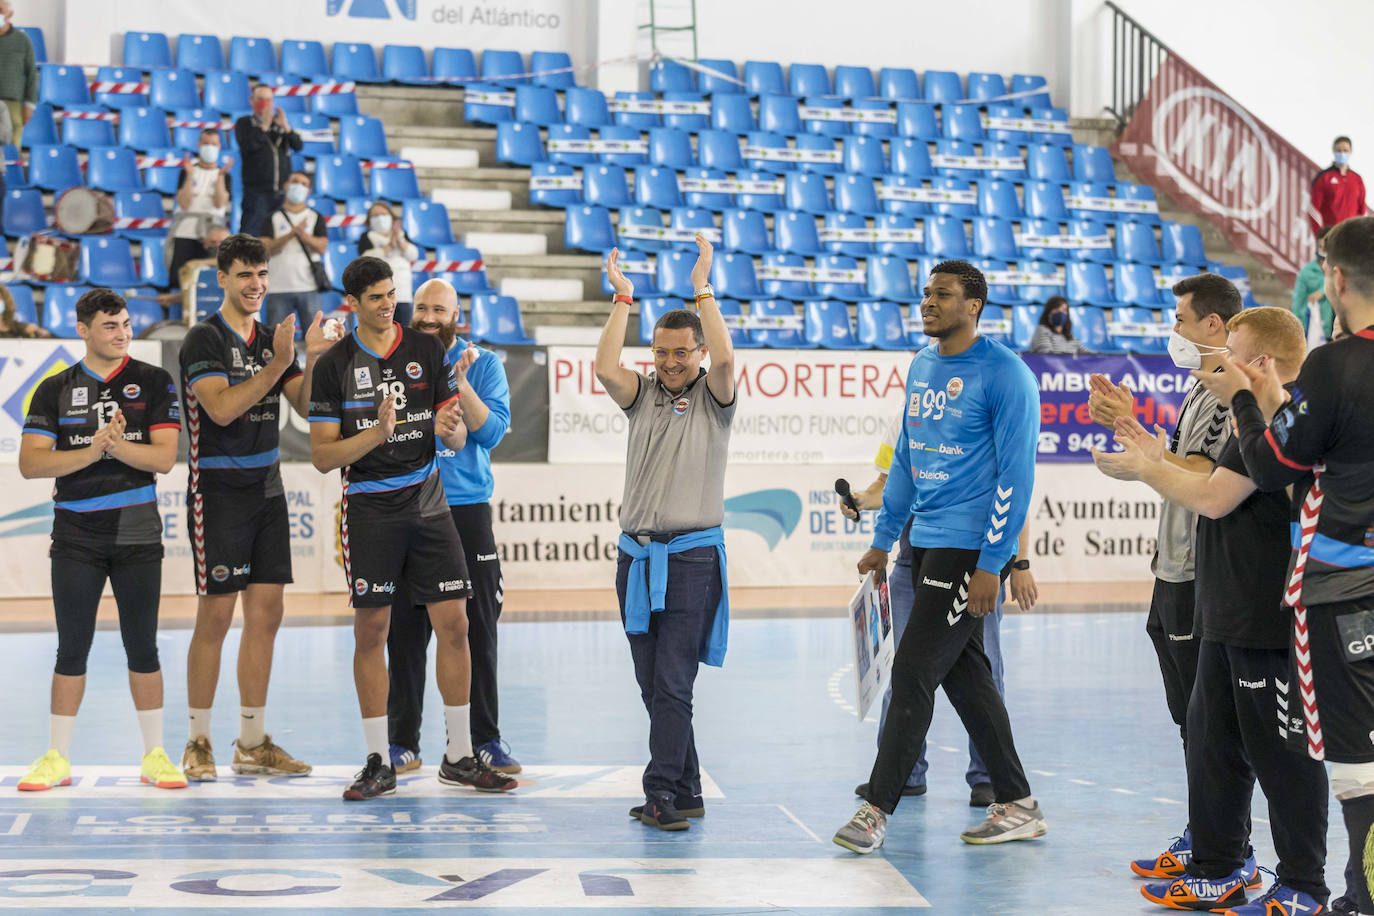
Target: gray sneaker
x=1007 y=822
x=865 y=830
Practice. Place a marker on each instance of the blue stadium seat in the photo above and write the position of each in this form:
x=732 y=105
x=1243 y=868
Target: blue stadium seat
x=341 y=176
x=917 y=119
x=1021 y=82
x=657 y=187
x=108 y=262
x=63 y=86
x=670 y=76
x=362 y=136
x=908 y=250
x=854 y=82
x=1134 y=284
x=606 y=186
x=466 y=282
x=199 y=53
x=554 y=197
x=890 y=278
x=227 y=92
x=827 y=325
x=984 y=86
x=1136 y=344
x=873 y=128
x=24 y=213
x=588 y=229
x=864 y=156
x=1003 y=149
x=537 y=105
x=1127 y=191
x=766 y=201
x=1045 y=200
x=1241 y=278
x=496 y=320
x=993 y=238
x=1007 y=134
x=643 y=279
x=622 y=158
x=682 y=119
x=998 y=198
x=899 y=83
x=1046 y=162
x=847 y=291
x=1091 y=229
x=395 y=184
x=786 y=289
x=586 y=107
x=719 y=149
x=163 y=178
x=144 y=312
x=994 y=324
x=24 y=307
x=953 y=207
x=911 y=157
x=405 y=64
x=730 y=310
x=856 y=194
x=305 y=59
x=59 y=308
x=961 y=122
x=1036 y=252
x=904 y=207
x=84 y=133
x=852 y=247
x=40 y=44
x=251 y=55
x=14 y=167
x=671 y=147
x=796 y=233
x=1086 y=282
x=1093 y=163
x=427 y=223
x=153 y=266
x=1024 y=319
x=733 y=276
x=722 y=79
x=765 y=140
x=806 y=191
x=640 y=216
x=139 y=205
x=147 y=50
x=830 y=128
x=317 y=126
x=42 y=127
x=113 y=168
x=170 y=89
x=808 y=79
x=733 y=113
x=1182 y=243
x=651 y=310
x=1039 y=292
x=957 y=148
x=570 y=132
x=691 y=218
x=1173 y=273
x=644 y=120
x=1089 y=189
x=788 y=338
x=484 y=112
x=543 y=61
x=674 y=272
x=943 y=87
x=818 y=142
x=1136 y=242
x=744 y=230
x=503 y=67
x=944 y=237
x=120 y=99
x=357 y=62
x=145 y=128
x=455 y=64
x=999 y=293
x=764 y=77
x=779 y=114
x=705 y=200
x=881 y=326
x=335 y=104
x=287 y=103
x=1090 y=326
x=1058 y=138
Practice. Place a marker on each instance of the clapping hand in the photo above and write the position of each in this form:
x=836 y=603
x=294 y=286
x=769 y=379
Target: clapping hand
x=1107 y=401
x=386 y=416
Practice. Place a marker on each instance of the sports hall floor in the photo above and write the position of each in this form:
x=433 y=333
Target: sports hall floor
x=778 y=736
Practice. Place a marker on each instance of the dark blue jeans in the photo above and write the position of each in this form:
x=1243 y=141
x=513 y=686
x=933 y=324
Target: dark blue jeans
x=665 y=661
x=257 y=206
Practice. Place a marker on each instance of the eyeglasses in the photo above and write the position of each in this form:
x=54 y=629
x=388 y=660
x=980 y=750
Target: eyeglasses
x=679 y=354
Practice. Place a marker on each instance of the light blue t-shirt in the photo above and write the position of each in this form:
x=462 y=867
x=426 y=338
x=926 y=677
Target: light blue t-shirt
x=466 y=474
x=964 y=463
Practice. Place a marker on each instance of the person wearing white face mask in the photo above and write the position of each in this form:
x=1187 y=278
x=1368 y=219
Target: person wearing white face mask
x=202 y=202
x=295 y=238
x=385 y=239
x=1337 y=190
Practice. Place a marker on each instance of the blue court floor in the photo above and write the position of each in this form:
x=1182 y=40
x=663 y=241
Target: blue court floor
x=777 y=736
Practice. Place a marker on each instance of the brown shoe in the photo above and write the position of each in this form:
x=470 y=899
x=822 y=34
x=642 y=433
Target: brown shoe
x=266 y=760
x=198 y=760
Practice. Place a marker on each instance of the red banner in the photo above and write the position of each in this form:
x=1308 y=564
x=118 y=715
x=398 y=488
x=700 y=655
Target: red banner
x=1200 y=146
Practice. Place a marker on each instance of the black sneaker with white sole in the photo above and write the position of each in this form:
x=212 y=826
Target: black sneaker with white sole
x=473 y=772
x=663 y=814
x=376 y=778
x=686 y=805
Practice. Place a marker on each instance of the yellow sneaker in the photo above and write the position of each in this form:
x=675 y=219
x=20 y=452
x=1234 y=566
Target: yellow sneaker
x=198 y=761
x=267 y=760
x=158 y=770
x=52 y=769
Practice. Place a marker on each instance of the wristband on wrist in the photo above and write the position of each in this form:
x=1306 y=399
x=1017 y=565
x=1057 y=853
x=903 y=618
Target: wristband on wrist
x=621 y=297
x=1021 y=565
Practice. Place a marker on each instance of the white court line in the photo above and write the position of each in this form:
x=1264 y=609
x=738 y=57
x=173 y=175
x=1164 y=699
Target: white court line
x=1125 y=791
x=1044 y=773
x=796 y=820
x=1167 y=801
x=1083 y=782
x=20 y=822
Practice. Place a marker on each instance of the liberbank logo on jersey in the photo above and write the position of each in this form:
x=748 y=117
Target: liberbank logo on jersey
x=443 y=14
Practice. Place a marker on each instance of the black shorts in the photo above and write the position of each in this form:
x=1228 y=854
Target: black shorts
x=1341 y=639
x=243 y=539
x=423 y=554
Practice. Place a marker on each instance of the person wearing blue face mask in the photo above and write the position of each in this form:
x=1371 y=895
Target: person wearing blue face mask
x=1337 y=191
x=1054 y=333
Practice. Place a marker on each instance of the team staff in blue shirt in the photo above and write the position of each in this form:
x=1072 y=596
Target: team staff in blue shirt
x=962 y=470
x=485 y=398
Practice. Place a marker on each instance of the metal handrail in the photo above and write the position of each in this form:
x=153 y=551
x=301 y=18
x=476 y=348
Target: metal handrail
x=654 y=28
x=1137 y=56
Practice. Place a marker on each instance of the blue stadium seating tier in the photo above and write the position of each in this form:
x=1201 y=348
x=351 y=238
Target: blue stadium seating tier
x=496 y=319
x=147 y=50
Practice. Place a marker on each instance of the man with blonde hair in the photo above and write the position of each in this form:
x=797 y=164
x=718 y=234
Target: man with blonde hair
x=1242 y=670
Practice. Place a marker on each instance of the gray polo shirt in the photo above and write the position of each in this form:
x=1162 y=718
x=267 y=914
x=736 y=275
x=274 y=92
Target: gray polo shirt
x=675 y=459
x=1204 y=425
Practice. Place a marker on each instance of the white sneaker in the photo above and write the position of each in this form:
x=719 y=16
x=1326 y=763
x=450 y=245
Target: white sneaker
x=1007 y=822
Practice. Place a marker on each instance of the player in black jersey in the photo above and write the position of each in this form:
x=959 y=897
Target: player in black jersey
x=104 y=428
x=234 y=371
x=1321 y=441
x=380 y=397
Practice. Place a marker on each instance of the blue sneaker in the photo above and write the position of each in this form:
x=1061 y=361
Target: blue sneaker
x=496 y=754
x=403 y=759
x=1170 y=863
x=1189 y=893
x=1279 y=901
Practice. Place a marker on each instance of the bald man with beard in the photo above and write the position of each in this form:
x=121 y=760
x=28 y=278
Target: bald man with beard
x=485 y=398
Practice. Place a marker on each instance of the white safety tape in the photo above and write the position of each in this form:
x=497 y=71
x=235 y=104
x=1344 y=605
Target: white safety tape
x=555 y=182
x=1038 y=90
x=1023 y=278
x=927 y=195
x=636 y=267
x=1039 y=125
x=1071 y=242
x=729 y=185
x=204 y=125
x=945 y=161
x=131 y=222
x=838 y=234
x=329 y=88
x=86 y=115
x=598 y=146
x=699 y=68
x=121 y=88
x=316 y=135
x=1109 y=204
x=340 y=220
x=1138 y=329
x=154 y=162
x=445 y=267
x=775 y=322
x=994 y=326
x=785 y=154
x=809 y=274
x=667 y=234
x=377 y=164
x=504 y=98
x=657 y=106
x=865 y=115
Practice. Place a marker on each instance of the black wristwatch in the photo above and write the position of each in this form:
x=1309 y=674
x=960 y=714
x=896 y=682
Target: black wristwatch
x=1022 y=565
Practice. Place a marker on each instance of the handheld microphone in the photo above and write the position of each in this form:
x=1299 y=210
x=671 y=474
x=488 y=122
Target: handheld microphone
x=842 y=488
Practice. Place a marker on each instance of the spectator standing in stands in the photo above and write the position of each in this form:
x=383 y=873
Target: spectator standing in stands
x=295 y=236
x=1054 y=333
x=18 y=73
x=1309 y=292
x=266 y=142
x=202 y=202
x=1337 y=191
x=384 y=239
